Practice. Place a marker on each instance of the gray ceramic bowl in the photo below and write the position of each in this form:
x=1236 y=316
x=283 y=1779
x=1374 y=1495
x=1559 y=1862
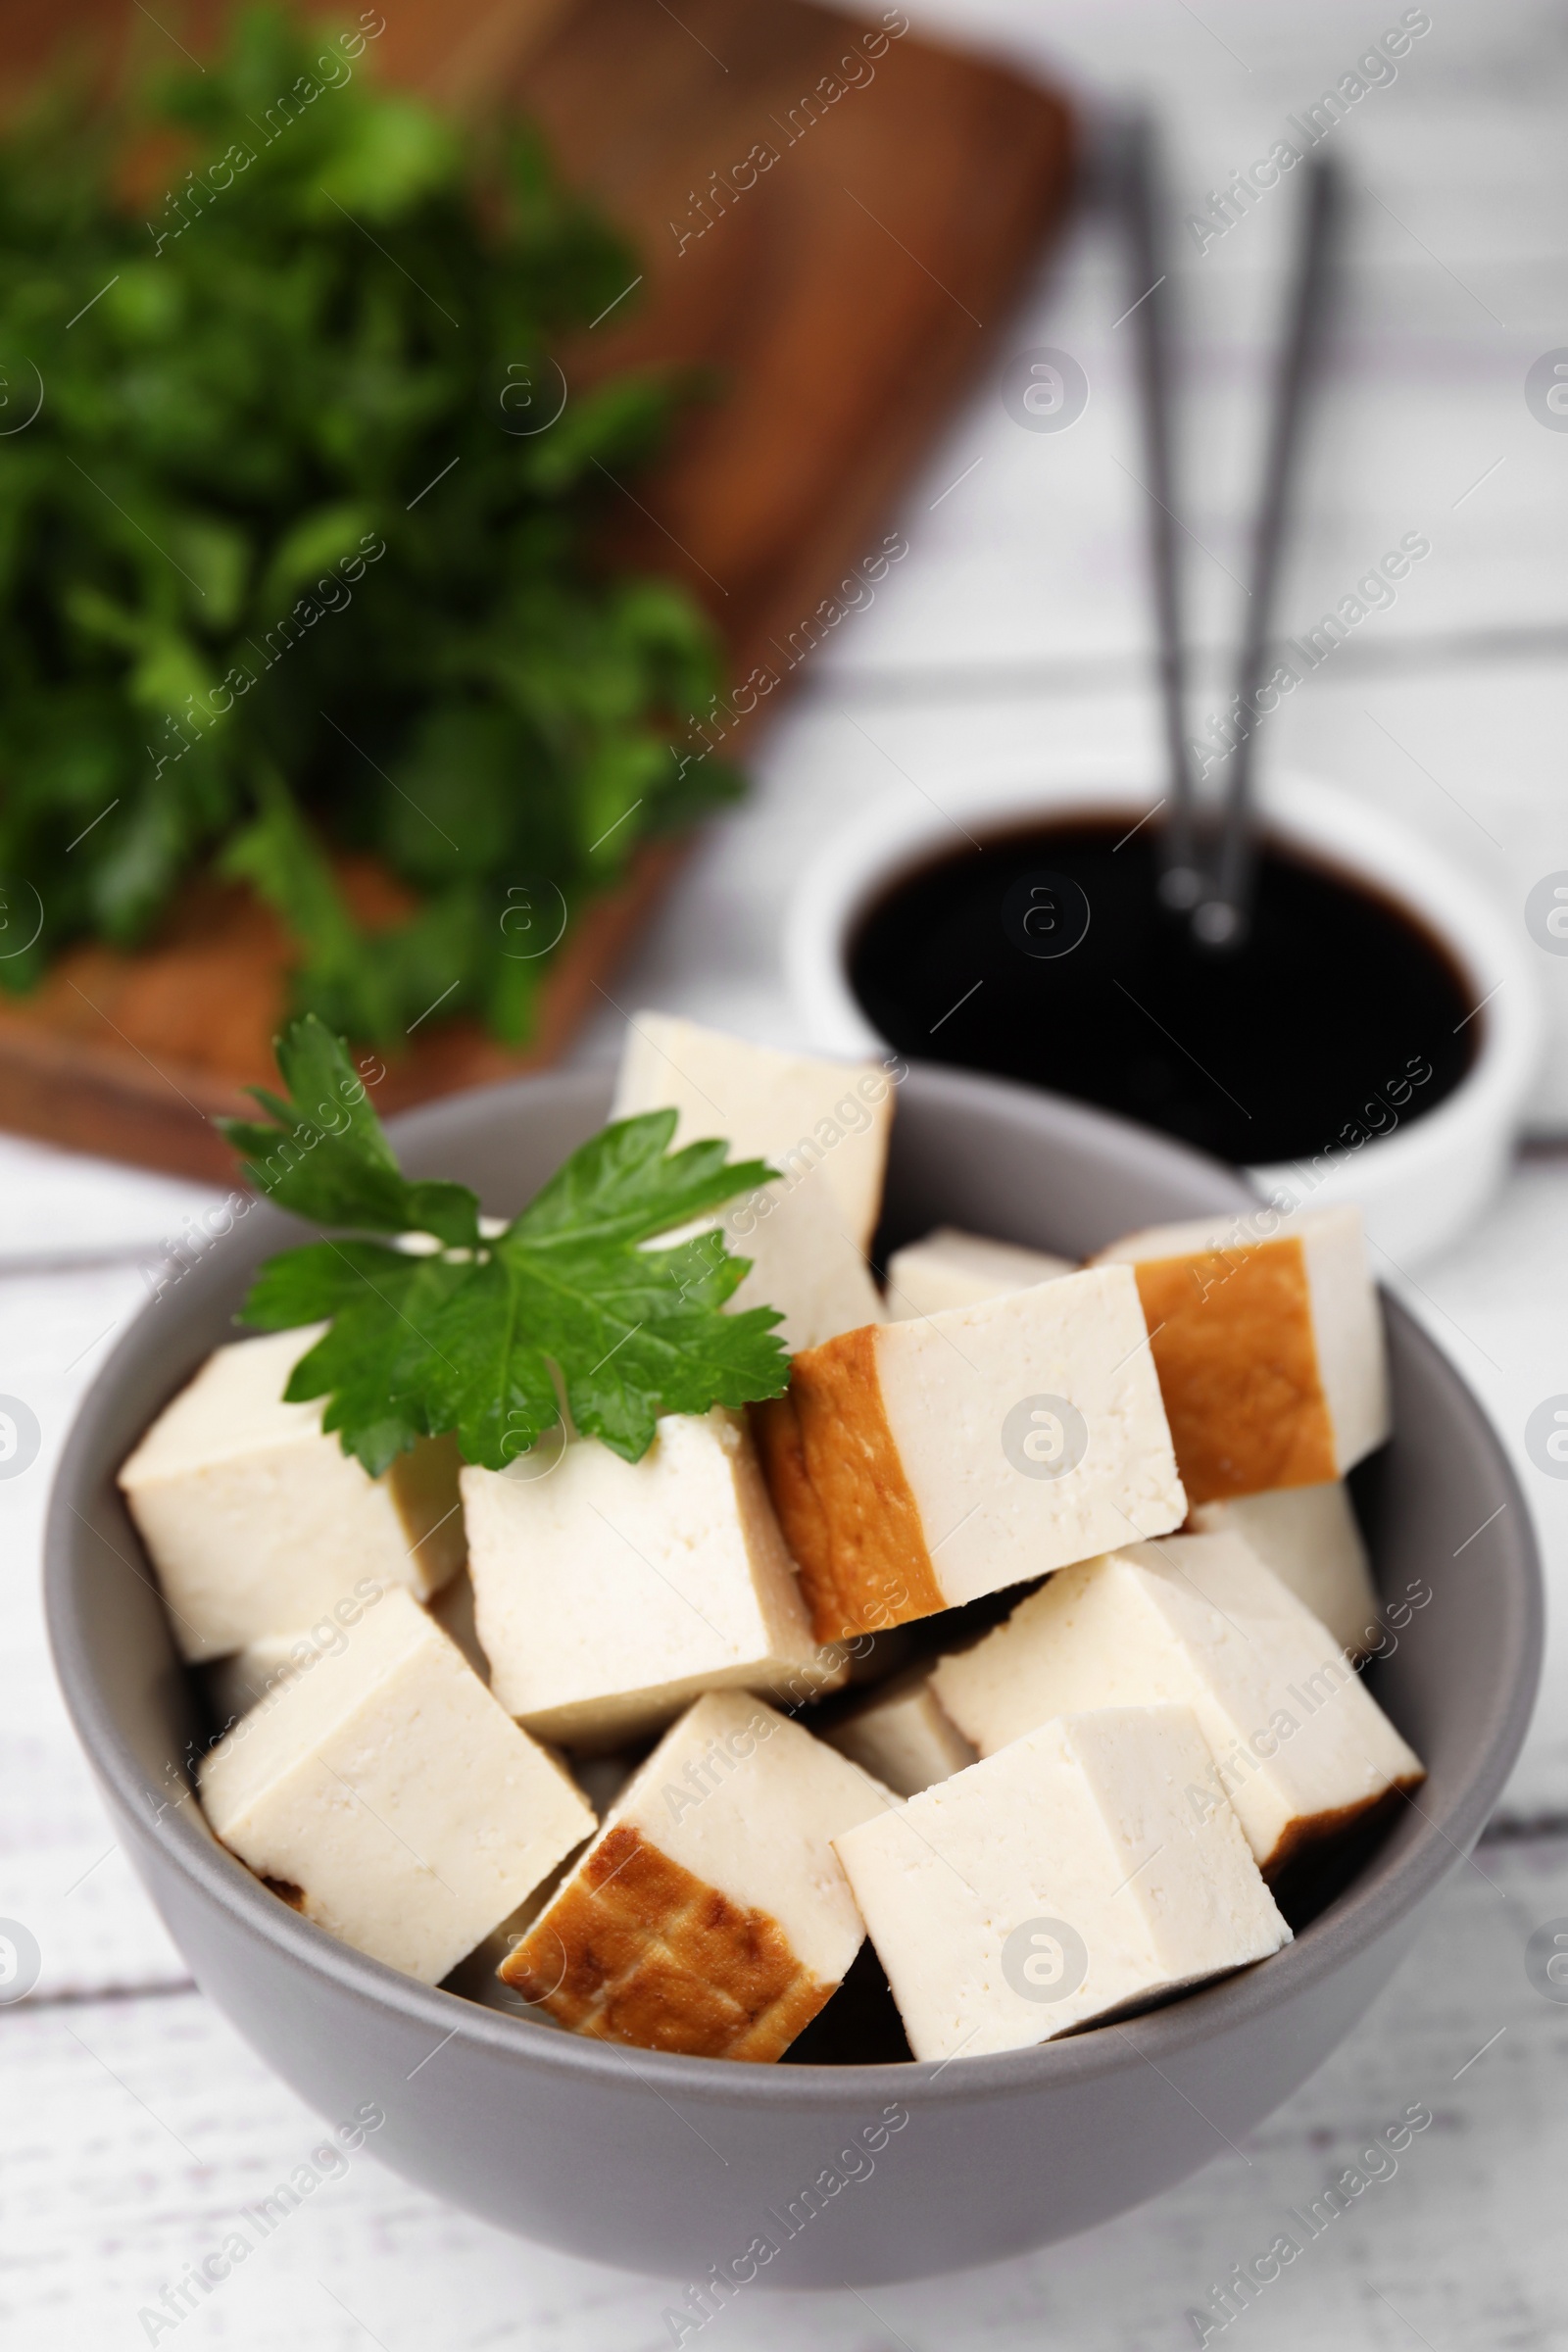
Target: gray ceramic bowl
x=673 y=2165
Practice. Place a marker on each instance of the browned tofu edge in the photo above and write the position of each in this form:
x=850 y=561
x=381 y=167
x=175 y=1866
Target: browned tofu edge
x=637 y=1949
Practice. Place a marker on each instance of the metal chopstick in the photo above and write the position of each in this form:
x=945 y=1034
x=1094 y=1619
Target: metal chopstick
x=1222 y=918
x=1181 y=883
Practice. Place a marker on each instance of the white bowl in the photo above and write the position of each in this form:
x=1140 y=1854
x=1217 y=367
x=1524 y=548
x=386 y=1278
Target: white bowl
x=1421 y=1186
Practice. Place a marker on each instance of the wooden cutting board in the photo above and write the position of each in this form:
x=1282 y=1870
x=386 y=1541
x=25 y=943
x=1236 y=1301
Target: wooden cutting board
x=831 y=214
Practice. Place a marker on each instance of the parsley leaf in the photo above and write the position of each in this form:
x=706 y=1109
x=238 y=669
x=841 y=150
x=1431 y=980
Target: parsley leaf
x=292 y=507
x=484 y=1336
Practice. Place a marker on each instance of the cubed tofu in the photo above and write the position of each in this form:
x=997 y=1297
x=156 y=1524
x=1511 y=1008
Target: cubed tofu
x=246 y=1676
x=1300 y=1747
x=902 y=1736
x=600 y=1779
x=609 y=1593
x=1269 y=1352
x=1309 y=1537
x=390 y=1792
x=918 y=1465
x=791 y=1109
x=477 y=1978
x=1060 y=1882
x=709 y=1915
x=804 y=1262
x=239 y=1682
x=257 y=1523
x=950 y=1268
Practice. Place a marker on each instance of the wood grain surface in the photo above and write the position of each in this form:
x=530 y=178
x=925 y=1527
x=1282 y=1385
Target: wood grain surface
x=833 y=219
x=134 y=1055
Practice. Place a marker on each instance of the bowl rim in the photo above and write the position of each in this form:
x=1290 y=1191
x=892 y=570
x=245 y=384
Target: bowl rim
x=888 y=839
x=1384 y=1893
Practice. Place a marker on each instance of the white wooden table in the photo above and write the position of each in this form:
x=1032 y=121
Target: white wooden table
x=135 y=2123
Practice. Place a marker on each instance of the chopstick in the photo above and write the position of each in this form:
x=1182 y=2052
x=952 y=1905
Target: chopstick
x=1180 y=882
x=1224 y=913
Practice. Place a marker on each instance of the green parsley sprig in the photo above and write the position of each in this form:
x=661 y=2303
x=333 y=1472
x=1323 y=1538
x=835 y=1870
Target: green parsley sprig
x=473 y=1332
x=295 y=569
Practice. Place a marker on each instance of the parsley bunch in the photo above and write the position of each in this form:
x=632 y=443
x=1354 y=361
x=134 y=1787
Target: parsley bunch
x=285 y=571
x=472 y=1334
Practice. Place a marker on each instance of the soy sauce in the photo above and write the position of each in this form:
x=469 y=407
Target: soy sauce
x=1046 y=956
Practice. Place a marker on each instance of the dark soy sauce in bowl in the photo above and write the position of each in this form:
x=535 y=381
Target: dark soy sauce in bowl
x=1045 y=956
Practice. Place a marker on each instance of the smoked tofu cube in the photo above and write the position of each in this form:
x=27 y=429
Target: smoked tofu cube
x=950 y=1268
x=384 y=1787
x=259 y=1523
x=1309 y=1537
x=1064 y=1880
x=710 y=1915
x=791 y=1109
x=802 y=1261
x=918 y=1465
x=1269 y=1352
x=1300 y=1747
x=902 y=1736
x=608 y=1595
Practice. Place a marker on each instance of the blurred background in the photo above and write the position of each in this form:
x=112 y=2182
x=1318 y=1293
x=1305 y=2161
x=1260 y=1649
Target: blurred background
x=838 y=339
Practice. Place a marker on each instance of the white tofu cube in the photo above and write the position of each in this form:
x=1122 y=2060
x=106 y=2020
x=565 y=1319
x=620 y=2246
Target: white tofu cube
x=918 y=1465
x=804 y=1263
x=1300 y=1748
x=238 y=1682
x=385 y=1788
x=1061 y=1880
x=1309 y=1537
x=609 y=1594
x=950 y=1268
x=902 y=1736
x=791 y=1109
x=709 y=1915
x=257 y=1523
x=1269 y=1352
